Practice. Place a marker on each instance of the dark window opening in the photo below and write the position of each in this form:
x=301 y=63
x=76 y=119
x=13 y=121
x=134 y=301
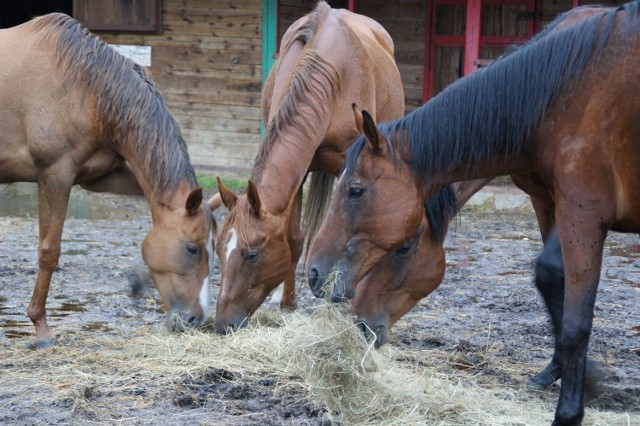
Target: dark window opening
x=16 y=12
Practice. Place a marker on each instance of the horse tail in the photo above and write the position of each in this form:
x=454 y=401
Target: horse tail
x=319 y=195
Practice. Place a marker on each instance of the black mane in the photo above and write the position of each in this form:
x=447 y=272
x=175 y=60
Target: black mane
x=490 y=113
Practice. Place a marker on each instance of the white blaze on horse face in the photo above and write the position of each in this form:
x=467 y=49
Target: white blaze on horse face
x=204 y=299
x=231 y=244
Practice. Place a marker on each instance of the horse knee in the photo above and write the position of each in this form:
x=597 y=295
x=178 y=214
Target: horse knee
x=549 y=268
x=48 y=257
x=575 y=335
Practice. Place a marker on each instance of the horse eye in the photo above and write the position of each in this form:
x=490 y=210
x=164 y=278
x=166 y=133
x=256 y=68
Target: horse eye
x=355 y=192
x=404 y=249
x=250 y=256
x=192 y=249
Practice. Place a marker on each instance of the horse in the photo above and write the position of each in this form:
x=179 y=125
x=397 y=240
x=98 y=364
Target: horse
x=327 y=58
x=562 y=108
x=74 y=111
x=414 y=270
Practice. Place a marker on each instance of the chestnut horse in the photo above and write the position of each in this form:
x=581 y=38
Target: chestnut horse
x=73 y=111
x=327 y=59
x=564 y=108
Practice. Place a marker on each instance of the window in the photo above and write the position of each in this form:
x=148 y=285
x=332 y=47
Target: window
x=135 y=16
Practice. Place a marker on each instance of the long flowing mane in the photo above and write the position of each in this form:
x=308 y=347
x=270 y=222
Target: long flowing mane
x=490 y=113
x=314 y=85
x=126 y=98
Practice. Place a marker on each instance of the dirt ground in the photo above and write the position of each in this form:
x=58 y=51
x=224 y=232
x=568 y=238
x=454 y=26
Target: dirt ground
x=485 y=323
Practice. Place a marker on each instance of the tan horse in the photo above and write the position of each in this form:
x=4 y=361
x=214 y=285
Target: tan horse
x=564 y=108
x=328 y=58
x=73 y=111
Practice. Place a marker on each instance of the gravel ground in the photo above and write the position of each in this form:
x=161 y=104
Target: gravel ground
x=485 y=322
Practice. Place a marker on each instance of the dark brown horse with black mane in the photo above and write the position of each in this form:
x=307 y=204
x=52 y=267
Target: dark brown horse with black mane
x=403 y=277
x=73 y=111
x=562 y=108
x=327 y=59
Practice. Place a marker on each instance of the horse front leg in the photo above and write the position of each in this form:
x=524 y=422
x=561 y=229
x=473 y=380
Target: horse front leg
x=582 y=243
x=296 y=242
x=53 y=199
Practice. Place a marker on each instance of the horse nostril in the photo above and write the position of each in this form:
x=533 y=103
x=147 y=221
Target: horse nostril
x=193 y=321
x=313 y=277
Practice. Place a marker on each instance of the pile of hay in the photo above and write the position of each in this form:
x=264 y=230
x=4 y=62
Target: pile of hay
x=321 y=355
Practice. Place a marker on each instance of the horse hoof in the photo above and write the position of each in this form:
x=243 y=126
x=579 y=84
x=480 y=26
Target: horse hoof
x=540 y=382
x=595 y=373
x=41 y=343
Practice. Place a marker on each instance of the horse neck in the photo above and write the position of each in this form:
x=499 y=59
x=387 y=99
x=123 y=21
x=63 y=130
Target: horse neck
x=279 y=177
x=160 y=201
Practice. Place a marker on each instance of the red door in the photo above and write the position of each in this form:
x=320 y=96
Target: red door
x=465 y=34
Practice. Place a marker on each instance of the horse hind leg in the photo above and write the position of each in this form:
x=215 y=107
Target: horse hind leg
x=549 y=279
x=53 y=199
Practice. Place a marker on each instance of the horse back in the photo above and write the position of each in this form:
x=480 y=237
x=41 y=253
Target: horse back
x=42 y=114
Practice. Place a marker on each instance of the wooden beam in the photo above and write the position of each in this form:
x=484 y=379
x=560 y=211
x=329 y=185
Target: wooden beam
x=472 y=36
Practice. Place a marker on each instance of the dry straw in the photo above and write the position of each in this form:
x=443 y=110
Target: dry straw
x=321 y=355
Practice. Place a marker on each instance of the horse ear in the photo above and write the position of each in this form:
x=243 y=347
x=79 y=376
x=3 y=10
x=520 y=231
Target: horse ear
x=370 y=131
x=228 y=197
x=194 y=201
x=357 y=116
x=253 y=197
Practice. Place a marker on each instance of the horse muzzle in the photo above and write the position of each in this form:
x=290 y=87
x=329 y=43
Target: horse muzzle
x=373 y=333
x=181 y=321
x=316 y=281
x=230 y=326
x=341 y=292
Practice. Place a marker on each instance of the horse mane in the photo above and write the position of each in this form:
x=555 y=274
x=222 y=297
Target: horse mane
x=490 y=113
x=126 y=98
x=314 y=84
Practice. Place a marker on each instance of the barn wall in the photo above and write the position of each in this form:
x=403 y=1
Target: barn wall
x=406 y=23
x=207 y=62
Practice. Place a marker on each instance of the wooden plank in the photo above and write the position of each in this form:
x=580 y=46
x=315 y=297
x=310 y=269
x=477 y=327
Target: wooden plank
x=213 y=97
x=215 y=124
x=213 y=20
x=472 y=38
x=199 y=57
x=214 y=4
x=209 y=110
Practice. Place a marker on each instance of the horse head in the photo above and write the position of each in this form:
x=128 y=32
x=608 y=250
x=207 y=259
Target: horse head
x=254 y=256
x=397 y=283
x=179 y=253
x=352 y=240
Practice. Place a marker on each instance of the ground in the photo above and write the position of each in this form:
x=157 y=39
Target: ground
x=485 y=323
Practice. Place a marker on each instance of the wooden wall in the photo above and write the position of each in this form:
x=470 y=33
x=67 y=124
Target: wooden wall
x=406 y=23
x=207 y=62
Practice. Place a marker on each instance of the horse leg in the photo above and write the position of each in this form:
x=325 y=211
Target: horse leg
x=549 y=280
x=53 y=199
x=296 y=242
x=582 y=243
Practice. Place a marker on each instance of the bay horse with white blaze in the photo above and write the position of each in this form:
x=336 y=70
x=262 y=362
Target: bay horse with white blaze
x=564 y=108
x=73 y=111
x=327 y=59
